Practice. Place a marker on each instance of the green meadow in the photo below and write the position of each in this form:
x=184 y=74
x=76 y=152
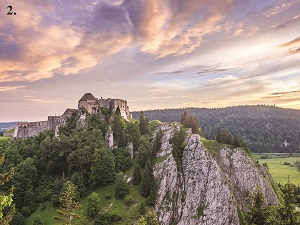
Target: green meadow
x=2 y=139
x=281 y=165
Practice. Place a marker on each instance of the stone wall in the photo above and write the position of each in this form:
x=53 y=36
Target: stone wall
x=8 y=134
x=25 y=129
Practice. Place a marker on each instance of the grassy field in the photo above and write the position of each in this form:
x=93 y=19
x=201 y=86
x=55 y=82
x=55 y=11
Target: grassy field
x=2 y=139
x=278 y=170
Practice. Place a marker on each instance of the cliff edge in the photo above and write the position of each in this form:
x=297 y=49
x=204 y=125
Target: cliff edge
x=206 y=188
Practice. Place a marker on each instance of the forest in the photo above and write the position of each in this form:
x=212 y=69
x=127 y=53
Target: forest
x=62 y=170
x=264 y=128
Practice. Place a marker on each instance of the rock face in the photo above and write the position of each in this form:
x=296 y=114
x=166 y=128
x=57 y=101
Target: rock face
x=109 y=138
x=203 y=190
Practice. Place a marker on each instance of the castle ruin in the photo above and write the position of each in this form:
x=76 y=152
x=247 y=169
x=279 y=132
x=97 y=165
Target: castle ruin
x=87 y=104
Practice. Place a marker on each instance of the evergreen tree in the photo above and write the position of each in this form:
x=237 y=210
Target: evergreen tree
x=151 y=200
x=178 y=145
x=189 y=120
x=145 y=151
x=219 y=135
x=6 y=197
x=69 y=206
x=236 y=141
x=102 y=167
x=117 y=128
x=258 y=213
x=157 y=142
x=226 y=137
x=149 y=219
x=121 y=186
x=144 y=126
x=134 y=135
x=142 y=208
x=122 y=159
x=136 y=176
x=38 y=221
x=147 y=180
x=287 y=212
x=93 y=205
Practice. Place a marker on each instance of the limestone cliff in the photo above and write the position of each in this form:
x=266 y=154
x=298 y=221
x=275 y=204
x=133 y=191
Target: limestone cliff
x=206 y=189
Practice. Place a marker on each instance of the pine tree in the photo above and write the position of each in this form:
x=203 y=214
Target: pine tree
x=147 y=180
x=136 y=176
x=236 y=141
x=151 y=200
x=144 y=126
x=134 y=135
x=102 y=167
x=93 y=205
x=117 y=128
x=6 y=198
x=157 y=142
x=219 y=135
x=149 y=219
x=178 y=145
x=189 y=120
x=288 y=214
x=145 y=152
x=69 y=206
x=258 y=213
x=121 y=186
x=142 y=209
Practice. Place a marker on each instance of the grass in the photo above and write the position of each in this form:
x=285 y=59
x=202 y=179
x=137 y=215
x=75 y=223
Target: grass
x=161 y=159
x=278 y=170
x=108 y=200
x=10 y=130
x=213 y=147
x=3 y=139
x=46 y=214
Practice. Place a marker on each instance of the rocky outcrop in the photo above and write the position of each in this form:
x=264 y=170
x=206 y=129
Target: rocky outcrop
x=203 y=190
x=109 y=138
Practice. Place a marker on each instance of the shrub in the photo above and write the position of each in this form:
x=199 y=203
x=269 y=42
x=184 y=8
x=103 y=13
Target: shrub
x=55 y=200
x=287 y=163
x=107 y=218
x=128 y=200
x=265 y=157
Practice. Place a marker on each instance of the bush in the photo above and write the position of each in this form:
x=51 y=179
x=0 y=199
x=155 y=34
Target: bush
x=18 y=219
x=287 y=163
x=121 y=186
x=265 y=157
x=107 y=218
x=55 y=200
x=107 y=197
x=93 y=205
x=38 y=221
x=128 y=200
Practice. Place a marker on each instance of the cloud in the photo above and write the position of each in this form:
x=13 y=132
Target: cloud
x=285 y=93
x=49 y=38
x=278 y=9
x=10 y=88
x=293 y=43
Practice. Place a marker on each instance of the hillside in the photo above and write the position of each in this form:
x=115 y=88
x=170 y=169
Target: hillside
x=264 y=128
x=120 y=170
x=4 y=126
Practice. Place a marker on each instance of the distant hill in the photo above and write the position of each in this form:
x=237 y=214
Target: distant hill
x=4 y=126
x=264 y=128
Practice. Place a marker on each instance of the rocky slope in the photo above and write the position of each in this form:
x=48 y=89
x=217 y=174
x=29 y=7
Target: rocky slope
x=206 y=189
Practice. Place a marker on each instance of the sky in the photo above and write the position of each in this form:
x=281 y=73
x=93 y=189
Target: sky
x=155 y=54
